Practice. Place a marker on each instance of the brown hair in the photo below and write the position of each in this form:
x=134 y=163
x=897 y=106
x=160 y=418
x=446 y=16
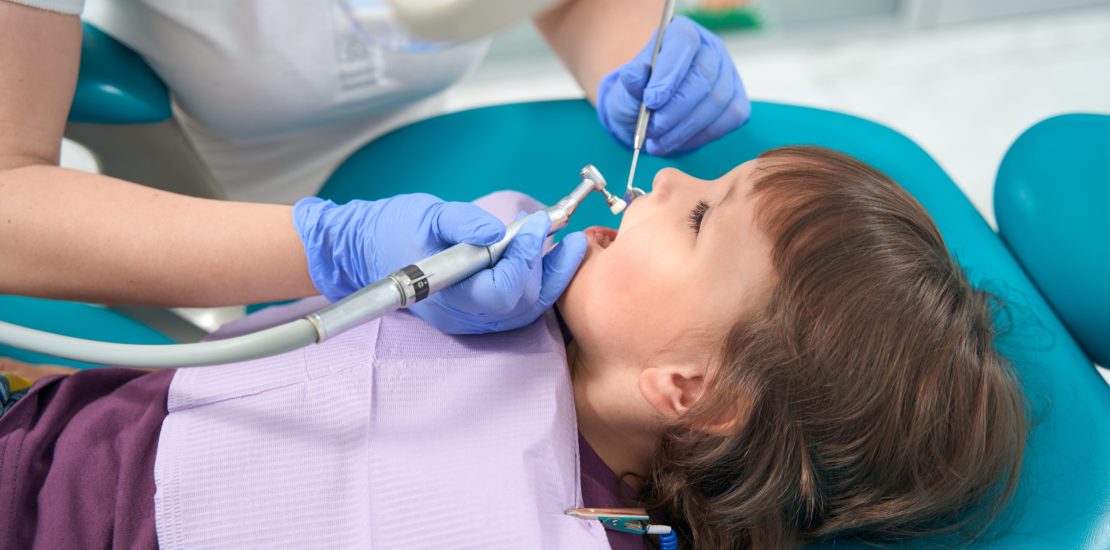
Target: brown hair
x=869 y=398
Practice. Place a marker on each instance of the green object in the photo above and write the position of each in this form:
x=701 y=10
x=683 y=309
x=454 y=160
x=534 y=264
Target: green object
x=731 y=19
x=1052 y=200
x=115 y=85
x=72 y=319
x=1063 y=499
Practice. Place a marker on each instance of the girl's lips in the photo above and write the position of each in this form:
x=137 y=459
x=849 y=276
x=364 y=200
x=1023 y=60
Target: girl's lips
x=601 y=236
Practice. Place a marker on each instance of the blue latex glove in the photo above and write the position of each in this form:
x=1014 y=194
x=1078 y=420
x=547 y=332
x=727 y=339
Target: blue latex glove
x=694 y=93
x=358 y=243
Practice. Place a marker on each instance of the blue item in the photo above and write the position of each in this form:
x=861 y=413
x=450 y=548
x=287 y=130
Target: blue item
x=1063 y=498
x=115 y=85
x=694 y=91
x=12 y=389
x=351 y=246
x=668 y=541
x=1052 y=199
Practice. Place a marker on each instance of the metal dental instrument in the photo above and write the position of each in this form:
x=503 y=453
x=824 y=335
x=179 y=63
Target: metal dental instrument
x=631 y=193
x=591 y=173
x=402 y=288
x=625 y=520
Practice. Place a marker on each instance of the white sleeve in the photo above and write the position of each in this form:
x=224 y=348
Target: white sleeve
x=72 y=7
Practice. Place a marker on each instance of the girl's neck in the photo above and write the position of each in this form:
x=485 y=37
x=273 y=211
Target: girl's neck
x=624 y=448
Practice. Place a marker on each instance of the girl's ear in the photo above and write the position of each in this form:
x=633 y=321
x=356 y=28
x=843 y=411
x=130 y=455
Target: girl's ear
x=673 y=390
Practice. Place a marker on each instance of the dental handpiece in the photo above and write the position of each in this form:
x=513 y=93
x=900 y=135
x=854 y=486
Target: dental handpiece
x=402 y=288
x=416 y=282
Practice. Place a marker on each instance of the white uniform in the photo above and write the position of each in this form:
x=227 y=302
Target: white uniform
x=274 y=95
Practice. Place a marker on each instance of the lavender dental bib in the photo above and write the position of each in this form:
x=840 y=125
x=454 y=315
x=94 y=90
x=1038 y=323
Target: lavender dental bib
x=392 y=435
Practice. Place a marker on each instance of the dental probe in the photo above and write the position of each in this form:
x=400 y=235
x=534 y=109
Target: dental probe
x=401 y=288
x=631 y=193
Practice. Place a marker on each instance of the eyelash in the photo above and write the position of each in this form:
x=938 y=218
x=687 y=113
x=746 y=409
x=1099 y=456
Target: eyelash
x=697 y=214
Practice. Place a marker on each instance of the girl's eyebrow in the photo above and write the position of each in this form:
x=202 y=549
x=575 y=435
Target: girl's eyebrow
x=728 y=195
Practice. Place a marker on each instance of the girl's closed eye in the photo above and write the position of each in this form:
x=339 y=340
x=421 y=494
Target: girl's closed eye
x=697 y=214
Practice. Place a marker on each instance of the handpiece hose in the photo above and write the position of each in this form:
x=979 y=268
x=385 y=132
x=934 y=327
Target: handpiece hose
x=402 y=288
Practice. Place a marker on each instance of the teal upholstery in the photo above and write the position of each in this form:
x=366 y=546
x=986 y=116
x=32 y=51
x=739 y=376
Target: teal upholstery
x=1064 y=495
x=115 y=85
x=1052 y=200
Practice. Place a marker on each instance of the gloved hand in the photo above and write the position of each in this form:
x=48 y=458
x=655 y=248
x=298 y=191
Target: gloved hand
x=694 y=93
x=352 y=245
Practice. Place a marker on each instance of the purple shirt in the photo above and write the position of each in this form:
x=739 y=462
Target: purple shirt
x=107 y=421
x=601 y=488
x=77 y=461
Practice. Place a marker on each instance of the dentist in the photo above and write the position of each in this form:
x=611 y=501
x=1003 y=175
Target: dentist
x=272 y=97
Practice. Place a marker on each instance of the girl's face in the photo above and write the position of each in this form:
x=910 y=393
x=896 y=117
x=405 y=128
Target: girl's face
x=687 y=260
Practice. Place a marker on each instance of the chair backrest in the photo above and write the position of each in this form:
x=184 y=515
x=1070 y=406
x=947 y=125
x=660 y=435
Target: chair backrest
x=1063 y=499
x=115 y=85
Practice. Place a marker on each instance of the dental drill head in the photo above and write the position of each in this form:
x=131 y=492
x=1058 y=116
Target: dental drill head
x=592 y=180
x=591 y=173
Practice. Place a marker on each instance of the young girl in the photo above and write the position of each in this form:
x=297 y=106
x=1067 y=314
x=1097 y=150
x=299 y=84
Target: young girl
x=854 y=391
x=779 y=356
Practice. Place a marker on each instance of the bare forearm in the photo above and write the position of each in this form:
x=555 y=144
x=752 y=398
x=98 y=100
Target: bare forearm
x=72 y=235
x=593 y=37
x=67 y=234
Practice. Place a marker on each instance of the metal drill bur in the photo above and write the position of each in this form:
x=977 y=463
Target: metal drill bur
x=616 y=205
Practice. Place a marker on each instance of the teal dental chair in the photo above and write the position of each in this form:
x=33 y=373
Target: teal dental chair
x=1050 y=260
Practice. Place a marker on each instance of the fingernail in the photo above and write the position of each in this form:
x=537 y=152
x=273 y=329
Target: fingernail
x=654 y=99
x=495 y=232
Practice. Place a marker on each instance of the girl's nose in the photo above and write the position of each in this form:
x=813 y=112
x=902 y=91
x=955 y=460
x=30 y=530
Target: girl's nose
x=667 y=181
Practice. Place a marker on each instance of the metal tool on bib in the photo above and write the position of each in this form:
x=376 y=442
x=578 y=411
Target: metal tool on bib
x=628 y=520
